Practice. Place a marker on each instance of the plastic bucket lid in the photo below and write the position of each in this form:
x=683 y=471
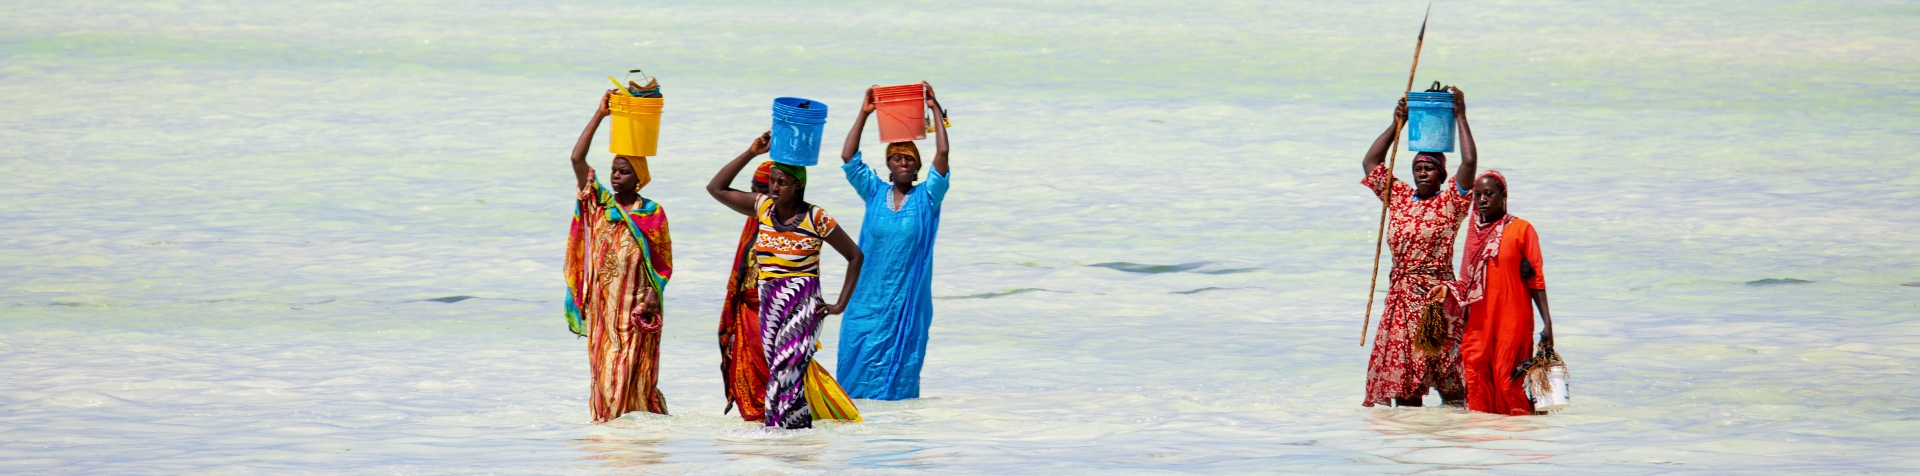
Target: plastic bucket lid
x=1426 y=99
x=799 y=110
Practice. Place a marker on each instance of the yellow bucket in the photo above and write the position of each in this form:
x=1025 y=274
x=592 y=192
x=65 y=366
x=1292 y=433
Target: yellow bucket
x=636 y=125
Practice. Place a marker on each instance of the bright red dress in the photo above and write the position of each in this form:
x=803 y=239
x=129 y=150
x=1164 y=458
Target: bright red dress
x=1420 y=233
x=1500 y=325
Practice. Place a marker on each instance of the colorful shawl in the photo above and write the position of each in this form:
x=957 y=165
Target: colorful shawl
x=577 y=250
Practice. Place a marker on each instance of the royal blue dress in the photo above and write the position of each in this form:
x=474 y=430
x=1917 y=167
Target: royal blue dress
x=883 y=333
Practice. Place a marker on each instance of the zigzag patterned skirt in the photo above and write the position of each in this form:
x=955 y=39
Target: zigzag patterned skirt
x=787 y=323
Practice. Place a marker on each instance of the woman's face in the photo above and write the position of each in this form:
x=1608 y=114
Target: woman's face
x=784 y=189
x=1428 y=175
x=1489 y=198
x=903 y=168
x=623 y=179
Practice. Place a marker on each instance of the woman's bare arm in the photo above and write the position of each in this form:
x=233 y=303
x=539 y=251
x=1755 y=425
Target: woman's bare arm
x=939 y=132
x=1469 y=154
x=1377 y=154
x=581 y=171
x=852 y=145
x=721 y=186
x=1546 y=317
x=848 y=249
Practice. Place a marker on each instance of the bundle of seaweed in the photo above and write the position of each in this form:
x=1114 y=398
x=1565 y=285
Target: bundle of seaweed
x=1430 y=327
x=1538 y=370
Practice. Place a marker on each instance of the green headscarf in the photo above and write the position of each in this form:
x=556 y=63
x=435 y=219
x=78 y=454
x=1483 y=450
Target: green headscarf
x=797 y=171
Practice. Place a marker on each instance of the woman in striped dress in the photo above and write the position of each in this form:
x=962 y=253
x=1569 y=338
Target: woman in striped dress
x=619 y=257
x=786 y=252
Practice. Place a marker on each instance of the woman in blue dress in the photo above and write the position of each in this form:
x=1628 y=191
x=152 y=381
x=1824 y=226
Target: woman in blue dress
x=883 y=334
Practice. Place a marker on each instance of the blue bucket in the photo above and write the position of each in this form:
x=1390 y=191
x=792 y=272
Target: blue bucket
x=1430 y=122
x=797 y=124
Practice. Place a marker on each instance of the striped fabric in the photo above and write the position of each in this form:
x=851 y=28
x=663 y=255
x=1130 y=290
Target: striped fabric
x=790 y=251
x=614 y=257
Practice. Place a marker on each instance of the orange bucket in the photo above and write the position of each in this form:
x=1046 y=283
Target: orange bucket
x=636 y=125
x=903 y=112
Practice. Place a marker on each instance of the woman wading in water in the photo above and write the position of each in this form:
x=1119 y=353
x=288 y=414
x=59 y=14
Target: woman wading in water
x=1502 y=280
x=786 y=250
x=619 y=257
x=1422 y=223
x=883 y=337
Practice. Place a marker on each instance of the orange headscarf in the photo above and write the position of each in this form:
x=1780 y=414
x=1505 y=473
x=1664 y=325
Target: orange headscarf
x=905 y=147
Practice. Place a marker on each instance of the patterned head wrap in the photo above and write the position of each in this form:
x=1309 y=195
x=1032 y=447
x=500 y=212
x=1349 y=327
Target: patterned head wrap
x=1496 y=176
x=1483 y=244
x=904 y=147
x=798 y=172
x=1436 y=158
x=639 y=165
x=763 y=174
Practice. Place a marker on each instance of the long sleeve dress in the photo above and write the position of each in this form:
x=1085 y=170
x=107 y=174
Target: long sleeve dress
x=613 y=255
x=883 y=333
x=1499 y=328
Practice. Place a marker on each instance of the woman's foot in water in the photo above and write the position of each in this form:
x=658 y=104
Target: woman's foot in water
x=1408 y=402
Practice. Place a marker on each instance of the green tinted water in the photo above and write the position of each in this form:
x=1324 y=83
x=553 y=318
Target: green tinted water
x=325 y=237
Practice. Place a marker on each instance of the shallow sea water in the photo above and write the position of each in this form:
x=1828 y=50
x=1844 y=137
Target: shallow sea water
x=297 y=237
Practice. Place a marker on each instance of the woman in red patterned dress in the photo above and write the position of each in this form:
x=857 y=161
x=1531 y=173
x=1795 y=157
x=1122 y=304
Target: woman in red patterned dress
x=1422 y=221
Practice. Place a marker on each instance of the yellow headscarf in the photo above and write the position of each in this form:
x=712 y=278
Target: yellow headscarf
x=640 y=173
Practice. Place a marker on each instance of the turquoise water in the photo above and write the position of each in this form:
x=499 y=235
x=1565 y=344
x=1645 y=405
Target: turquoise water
x=291 y=237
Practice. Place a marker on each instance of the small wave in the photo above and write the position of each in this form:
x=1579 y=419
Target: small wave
x=1774 y=281
x=996 y=294
x=1150 y=268
x=1201 y=290
x=768 y=433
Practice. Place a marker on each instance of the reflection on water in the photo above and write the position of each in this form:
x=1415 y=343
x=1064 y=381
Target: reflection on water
x=620 y=450
x=1456 y=438
x=323 y=237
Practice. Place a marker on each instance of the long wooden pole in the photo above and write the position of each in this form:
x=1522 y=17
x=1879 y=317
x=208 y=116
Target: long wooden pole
x=1386 y=202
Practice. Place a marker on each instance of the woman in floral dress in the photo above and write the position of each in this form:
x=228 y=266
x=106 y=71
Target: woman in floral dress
x=1423 y=219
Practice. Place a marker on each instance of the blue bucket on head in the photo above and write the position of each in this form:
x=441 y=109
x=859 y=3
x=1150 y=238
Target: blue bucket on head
x=797 y=124
x=1430 y=121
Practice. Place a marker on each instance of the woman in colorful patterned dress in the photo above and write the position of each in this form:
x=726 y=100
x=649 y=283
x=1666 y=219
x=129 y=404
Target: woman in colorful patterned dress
x=619 y=256
x=1423 y=220
x=787 y=252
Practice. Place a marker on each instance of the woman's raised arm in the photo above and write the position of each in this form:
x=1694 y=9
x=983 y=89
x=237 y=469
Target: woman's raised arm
x=939 y=131
x=721 y=186
x=582 y=173
x=852 y=144
x=1377 y=154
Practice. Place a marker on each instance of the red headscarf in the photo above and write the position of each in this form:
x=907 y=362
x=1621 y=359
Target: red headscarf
x=764 y=174
x=1483 y=244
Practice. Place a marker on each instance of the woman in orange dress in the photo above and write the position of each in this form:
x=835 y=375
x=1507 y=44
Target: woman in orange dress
x=619 y=256
x=743 y=365
x=1501 y=277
